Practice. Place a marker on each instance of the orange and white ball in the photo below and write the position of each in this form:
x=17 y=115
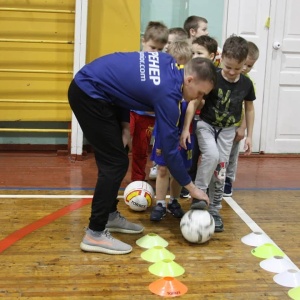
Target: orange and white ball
x=138 y=195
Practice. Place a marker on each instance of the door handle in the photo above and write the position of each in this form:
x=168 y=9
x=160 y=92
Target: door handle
x=276 y=45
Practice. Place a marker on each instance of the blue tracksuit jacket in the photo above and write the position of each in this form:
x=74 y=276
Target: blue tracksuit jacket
x=149 y=81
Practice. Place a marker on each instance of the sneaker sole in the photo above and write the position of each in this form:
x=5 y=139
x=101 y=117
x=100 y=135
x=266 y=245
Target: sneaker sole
x=219 y=229
x=157 y=220
x=227 y=195
x=185 y=196
x=202 y=205
x=90 y=248
x=122 y=230
x=170 y=212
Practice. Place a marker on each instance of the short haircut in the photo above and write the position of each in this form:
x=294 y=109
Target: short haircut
x=181 y=50
x=180 y=33
x=209 y=43
x=156 y=31
x=253 y=51
x=192 y=22
x=235 y=47
x=202 y=68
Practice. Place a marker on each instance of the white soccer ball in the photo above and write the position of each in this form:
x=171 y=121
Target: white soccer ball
x=138 y=203
x=197 y=226
x=138 y=195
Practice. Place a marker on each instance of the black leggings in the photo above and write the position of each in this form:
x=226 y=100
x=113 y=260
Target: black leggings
x=100 y=124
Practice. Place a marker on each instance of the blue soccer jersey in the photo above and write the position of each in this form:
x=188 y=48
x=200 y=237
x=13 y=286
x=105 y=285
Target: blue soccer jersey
x=148 y=81
x=186 y=154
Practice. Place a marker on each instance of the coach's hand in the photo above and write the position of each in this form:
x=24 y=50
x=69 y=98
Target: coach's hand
x=197 y=193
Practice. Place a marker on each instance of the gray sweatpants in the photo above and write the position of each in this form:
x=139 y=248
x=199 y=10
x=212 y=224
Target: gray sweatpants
x=233 y=161
x=215 y=145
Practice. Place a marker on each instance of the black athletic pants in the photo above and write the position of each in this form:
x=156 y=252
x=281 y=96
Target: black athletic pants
x=102 y=128
x=195 y=155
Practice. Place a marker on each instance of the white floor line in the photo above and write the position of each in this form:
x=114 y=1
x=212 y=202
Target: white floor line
x=243 y=215
x=249 y=222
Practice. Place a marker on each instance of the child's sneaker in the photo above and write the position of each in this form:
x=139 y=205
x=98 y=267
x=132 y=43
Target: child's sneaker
x=199 y=204
x=102 y=241
x=117 y=223
x=175 y=209
x=227 y=188
x=153 y=173
x=184 y=193
x=158 y=212
x=219 y=226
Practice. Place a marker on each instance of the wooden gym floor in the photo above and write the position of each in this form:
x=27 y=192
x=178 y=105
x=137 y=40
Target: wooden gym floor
x=45 y=205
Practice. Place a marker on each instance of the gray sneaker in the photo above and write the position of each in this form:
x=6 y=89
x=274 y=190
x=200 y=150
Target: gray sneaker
x=117 y=223
x=219 y=226
x=102 y=241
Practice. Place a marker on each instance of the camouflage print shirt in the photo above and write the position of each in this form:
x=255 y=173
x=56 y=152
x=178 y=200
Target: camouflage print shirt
x=224 y=104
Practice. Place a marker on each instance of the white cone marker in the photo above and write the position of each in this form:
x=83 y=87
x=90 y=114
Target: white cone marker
x=255 y=239
x=277 y=264
x=289 y=278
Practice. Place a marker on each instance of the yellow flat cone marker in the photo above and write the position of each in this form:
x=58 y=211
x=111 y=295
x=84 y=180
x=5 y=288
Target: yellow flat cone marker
x=157 y=253
x=266 y=251
x=166 y=268
x=150 y=240
x=168 y=287
x=295 y=293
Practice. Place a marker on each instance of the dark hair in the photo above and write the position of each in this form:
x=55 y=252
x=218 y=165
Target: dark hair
x=209 y=43
x=235 y=47
x=180 y=33
x=157 y=32
x=192 y=22
x=203 y=68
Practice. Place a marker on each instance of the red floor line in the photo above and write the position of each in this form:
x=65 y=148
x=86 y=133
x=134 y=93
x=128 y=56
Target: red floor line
x=19 y=234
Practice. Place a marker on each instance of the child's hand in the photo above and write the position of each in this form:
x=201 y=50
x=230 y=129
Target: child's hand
x=126 y=138
x=248 y=146
x=185 y=137
x=240 y=134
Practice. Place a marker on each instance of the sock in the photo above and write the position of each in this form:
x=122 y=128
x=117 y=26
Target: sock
x=163 y=202
x=228 y=180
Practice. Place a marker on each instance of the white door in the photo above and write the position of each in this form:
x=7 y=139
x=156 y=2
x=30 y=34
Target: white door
x=249 y=19
x=281 y=111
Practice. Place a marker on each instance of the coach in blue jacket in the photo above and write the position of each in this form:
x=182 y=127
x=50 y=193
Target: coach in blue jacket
x=101 y=96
